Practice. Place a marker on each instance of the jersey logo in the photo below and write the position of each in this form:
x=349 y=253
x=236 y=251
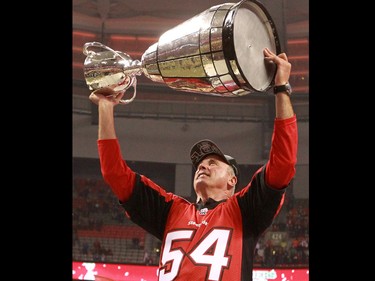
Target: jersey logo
x=203 y=211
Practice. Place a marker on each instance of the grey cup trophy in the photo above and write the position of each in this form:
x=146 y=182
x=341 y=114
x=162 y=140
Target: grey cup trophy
x=218 y=52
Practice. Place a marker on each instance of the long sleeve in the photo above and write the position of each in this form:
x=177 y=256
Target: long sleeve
x=115 y=172
x=280 y=168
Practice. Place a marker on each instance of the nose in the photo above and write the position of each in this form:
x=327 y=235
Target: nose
x=201 y=166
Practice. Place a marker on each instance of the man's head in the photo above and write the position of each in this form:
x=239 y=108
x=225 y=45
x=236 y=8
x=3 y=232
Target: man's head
x=214 y=169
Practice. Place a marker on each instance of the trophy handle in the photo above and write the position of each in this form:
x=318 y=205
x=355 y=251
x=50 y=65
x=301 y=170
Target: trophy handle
x=134 y=85
x=99 y=45
x=130 y=72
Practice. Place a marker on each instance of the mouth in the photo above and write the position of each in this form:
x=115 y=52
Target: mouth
x=201 y=174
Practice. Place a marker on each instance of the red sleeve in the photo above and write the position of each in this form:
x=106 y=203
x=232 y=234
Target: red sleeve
x=115 y=172
x=280 y=168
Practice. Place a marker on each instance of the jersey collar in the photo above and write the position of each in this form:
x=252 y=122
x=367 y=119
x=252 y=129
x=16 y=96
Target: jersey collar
x=210 y=204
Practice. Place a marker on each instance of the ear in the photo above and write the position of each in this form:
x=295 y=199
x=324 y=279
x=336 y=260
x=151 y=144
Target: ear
x=232 y=182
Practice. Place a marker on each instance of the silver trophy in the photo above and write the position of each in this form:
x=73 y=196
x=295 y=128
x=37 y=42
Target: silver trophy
x=218 y=52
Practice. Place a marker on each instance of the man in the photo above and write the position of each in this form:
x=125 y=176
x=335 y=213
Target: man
x=214 y=238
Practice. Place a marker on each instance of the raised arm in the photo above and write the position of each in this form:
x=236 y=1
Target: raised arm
x=114 y=169
x=106 y=100
x=280 y=168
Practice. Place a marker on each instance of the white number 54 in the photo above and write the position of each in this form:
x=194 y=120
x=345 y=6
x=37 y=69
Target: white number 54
x=210 y=251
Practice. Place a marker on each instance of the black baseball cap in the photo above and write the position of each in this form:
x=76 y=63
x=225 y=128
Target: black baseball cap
x=207 y=147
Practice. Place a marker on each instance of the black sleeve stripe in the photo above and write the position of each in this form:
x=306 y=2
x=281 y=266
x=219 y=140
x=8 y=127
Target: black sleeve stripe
x=148 y=208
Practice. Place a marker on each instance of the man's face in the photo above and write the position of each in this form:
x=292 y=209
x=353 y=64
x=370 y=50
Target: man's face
x=212 y=172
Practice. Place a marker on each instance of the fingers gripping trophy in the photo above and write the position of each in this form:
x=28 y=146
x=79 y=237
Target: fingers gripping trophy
x=218 y=52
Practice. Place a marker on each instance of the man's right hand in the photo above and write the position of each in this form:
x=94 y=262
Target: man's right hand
x=107 y=95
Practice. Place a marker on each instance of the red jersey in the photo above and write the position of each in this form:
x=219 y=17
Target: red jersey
x=214 y=241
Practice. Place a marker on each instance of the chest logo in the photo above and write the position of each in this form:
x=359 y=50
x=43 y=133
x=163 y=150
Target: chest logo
x=203 y=211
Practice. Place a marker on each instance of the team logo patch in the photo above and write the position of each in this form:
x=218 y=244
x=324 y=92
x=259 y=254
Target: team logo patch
x=203 y=211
